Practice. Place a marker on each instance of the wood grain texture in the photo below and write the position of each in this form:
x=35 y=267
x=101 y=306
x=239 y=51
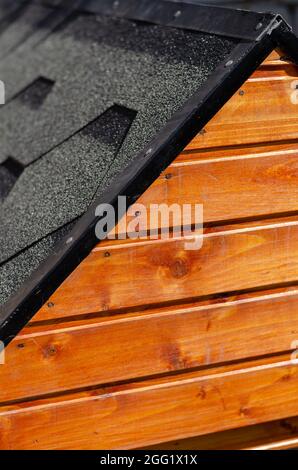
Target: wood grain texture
x=273 y=57
x=276 y=435
x=230 y=188
x=143 y=273
x=171 y=340
x=130 y=416
x=274 y=70
x=247 y=151
x=264 y=113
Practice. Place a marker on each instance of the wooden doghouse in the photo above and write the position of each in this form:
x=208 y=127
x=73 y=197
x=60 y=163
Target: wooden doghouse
x=134 y=343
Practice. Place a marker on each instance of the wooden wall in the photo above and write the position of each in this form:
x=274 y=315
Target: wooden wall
x=148 y=344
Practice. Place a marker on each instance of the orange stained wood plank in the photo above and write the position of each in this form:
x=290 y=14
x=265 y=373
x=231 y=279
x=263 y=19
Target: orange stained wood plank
x=265 y=111
x=147 y=413
x=232 y=188
x=286 y=444
x=277 y=61
x=274 y=56
x=138 y=273
x=246 y=151
x=276 y=69
x=276 y=435
x=44 y=362
x=41 y=325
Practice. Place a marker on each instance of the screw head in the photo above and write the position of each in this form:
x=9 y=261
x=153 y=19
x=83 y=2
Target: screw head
x=69 y=240
x=107 y=254
x=168 y=176
x=259 y=26
x=229 y=63
x=51 y=304
x=177 y=14
x=241 y=92
x=52 y=350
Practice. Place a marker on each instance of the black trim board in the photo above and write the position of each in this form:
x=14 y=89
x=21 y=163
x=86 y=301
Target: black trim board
x=146 y=167
x=218 y=20
x=239 y=24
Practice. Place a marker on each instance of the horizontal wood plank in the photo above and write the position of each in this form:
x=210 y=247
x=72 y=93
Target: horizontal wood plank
x=54 y=361
x=276 y=435
x=262 y=111
x=273 y=70
x=142 y=273
x=157 y=411
x=274 y=56
x=241 y=186
x=246 y=151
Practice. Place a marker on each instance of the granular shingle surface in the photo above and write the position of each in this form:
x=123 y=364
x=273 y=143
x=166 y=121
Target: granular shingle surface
x=80 y=105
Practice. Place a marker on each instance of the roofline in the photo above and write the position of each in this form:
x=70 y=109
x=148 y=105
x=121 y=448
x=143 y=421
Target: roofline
x=212 y=19
x=148 y=164
x=204 y=18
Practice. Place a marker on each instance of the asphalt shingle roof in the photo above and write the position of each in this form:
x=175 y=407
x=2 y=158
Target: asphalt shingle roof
x=83 y=98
